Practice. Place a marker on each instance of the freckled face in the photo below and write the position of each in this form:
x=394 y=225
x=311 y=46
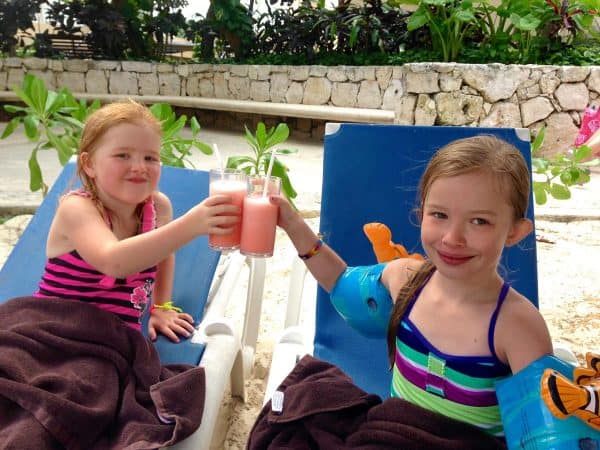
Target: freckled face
x=125 y=165
x=466 y=223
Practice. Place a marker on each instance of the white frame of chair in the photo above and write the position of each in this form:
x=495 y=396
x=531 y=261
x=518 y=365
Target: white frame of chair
x=229 y=353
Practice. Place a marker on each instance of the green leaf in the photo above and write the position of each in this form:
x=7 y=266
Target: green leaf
x=38 y=94
x=14 y=109
x=566 y=178
x=281 y=171
x=10 y=127
x=70 y=121
x=540 y=165
x=203 y=147
x=538 y=141
x=234 y=162
x=353 y=36
x=195 y=126
x=417 y=20
x=575 y=174
x=539 y=193
x=174 y=127
x=64 y=151
x=580 y=153
x=53 y=102
x=464 y=16
x=31 y=123
x=35 y=173
x=251 y=140
x=24 y=94
x=560 y=192
x=278 y=136
x=287 y=151
x=161 y=111
x=261 y=135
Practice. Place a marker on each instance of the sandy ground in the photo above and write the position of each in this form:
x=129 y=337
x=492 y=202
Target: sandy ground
x=568 y=257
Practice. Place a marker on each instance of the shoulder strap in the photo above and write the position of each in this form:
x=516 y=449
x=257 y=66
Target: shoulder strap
x=492 y=329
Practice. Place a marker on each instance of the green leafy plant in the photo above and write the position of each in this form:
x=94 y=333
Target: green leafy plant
x=54 y=120
x=559 y=172
x=51 y=120
x=261 y=142
x=449 y=23
x=175 y=149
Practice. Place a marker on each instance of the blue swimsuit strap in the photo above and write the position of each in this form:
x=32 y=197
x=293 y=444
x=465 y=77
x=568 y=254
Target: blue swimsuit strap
x=501 y=298
x=494 y=318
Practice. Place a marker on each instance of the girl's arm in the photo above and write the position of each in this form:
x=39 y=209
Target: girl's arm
x=85 y=229
x=521 y=333
x=326 y=265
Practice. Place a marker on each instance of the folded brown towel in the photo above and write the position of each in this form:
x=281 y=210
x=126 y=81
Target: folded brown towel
x=397 y=423
x=73 y=376
x=323 y=409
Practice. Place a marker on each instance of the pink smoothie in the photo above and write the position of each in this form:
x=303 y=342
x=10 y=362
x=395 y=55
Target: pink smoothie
x=258 y=226
x=237 y=190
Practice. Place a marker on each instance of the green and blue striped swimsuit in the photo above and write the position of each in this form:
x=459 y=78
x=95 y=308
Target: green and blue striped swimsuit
x=460 y=387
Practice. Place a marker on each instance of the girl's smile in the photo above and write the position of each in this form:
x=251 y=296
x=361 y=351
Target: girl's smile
x=452 y=259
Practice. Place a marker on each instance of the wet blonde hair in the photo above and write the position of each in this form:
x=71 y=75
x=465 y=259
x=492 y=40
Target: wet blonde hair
x=480 y=153
x=98 y=124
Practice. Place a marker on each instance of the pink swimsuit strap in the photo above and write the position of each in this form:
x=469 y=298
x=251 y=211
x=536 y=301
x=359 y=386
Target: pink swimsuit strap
x=148 y=211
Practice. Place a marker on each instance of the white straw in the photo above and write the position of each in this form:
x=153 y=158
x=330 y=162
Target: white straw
x=220 y=159
x=269 y=170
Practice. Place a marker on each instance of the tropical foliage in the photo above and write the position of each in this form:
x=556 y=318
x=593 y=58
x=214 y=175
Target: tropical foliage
x=369 y=32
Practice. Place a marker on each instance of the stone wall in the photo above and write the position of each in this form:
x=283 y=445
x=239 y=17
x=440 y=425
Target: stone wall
x=421 y=93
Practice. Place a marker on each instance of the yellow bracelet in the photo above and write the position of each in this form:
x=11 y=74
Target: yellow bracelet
x=166 y=306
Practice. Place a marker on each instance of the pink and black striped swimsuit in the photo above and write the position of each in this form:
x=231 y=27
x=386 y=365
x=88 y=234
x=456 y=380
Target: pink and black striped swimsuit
x=68 y=276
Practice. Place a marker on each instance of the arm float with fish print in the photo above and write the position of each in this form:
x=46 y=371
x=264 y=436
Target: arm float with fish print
x=579 y=397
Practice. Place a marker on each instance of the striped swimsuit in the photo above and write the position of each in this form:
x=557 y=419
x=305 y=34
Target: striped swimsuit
x=68 y=276
x=460 y=387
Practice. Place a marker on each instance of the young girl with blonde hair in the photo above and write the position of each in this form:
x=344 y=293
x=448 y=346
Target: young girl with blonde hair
x=454 y=325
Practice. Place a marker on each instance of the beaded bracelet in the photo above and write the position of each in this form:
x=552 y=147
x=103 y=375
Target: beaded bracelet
x=313 y=251
x=165 y=306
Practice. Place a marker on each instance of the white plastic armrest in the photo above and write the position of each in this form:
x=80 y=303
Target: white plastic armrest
x=292 y=343
x=227 y=276
x=288 y=350
x=564 y=352
x=222 y=347
x=294 y=304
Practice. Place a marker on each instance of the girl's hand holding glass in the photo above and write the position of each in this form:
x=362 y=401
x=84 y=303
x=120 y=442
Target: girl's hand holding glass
x=215 y=215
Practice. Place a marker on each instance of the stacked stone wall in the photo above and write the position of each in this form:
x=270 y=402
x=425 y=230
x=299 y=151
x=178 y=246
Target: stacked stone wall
x=492 y=95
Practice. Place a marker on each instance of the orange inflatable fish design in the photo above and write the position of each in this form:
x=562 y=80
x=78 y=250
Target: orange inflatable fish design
x=381 y=239
x=579 y=397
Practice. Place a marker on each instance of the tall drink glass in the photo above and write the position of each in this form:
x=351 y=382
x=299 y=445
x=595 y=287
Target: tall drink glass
x=260 y=217
x=231 y=182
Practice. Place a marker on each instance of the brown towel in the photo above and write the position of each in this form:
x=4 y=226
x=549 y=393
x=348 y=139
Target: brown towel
x=73 y=376
x=397 y=423
x=323 y=409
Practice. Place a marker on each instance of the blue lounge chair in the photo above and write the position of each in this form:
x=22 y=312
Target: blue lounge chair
x=371 y=174
x=204 y=282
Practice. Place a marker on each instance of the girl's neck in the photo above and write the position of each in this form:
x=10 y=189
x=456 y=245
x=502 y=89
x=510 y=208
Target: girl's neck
x=123 y=219
x=467 y=291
